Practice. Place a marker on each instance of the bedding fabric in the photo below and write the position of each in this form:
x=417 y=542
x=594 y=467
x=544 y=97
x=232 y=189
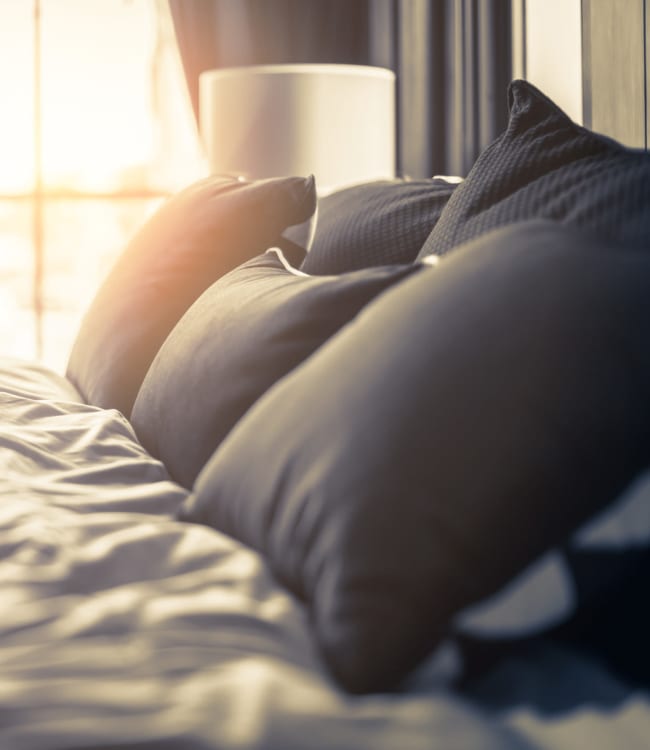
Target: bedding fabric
x=125 y=629
x=376 y=223
x=244 y=333
x=466 y=422
x=194 y=238
x=545 y=166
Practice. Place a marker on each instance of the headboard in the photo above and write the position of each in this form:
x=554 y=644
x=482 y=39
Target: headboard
x=591 y=56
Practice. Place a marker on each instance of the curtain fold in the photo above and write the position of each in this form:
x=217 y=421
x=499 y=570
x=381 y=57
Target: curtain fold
x=452 y=59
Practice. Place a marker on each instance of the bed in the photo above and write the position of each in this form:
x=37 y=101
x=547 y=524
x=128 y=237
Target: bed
x=389 y=493
x=123 y=627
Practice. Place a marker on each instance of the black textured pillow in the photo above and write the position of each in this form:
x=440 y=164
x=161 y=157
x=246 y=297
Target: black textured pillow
x=245 y=332
x=374 y=224
x=545 y=166
x=467 y=420
x=195 y=237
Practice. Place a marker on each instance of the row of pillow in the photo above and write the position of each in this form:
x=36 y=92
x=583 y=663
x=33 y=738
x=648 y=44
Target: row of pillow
x=542 y=166
x=212 y=227
x=200 y=385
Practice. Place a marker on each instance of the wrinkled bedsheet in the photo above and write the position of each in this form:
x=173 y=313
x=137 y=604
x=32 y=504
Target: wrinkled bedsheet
x=123 y=628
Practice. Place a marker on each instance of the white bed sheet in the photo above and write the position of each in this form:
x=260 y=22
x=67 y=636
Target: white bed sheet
x=123 y=628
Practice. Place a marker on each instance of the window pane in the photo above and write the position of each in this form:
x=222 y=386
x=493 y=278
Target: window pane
x=115 y=110
x=17 y=92
x=82 y=240
x=115 y=117
x=17 y=323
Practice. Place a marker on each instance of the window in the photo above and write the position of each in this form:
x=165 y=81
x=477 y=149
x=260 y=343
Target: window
x=97 y=128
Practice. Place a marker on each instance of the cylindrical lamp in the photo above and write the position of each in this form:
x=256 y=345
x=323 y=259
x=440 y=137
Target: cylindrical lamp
x=334 y=121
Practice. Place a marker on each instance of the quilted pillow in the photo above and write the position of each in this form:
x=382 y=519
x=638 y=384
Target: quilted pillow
x=545 y=166
x=193 y=239
x=375 y=223
x=245 y=332
x=467 y=421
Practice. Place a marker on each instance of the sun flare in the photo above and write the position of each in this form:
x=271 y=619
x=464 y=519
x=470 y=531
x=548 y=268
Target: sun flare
x=94 y=107
x=99 y=71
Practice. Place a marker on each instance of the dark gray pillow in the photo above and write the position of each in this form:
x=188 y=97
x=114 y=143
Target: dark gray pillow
x=245 y=332
x=193 y=239
x=545 y=166
x=375 y=223
x=468 y=420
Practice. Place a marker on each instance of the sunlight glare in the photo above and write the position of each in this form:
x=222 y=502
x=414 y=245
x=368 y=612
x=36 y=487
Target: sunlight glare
x=16 y=127
x=117 y=134
x=101 y=130
x=96 y=102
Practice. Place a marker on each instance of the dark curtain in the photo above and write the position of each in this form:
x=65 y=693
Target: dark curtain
x=452 y=59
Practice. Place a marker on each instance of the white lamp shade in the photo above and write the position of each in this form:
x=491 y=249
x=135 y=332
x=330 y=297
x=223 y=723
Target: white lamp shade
x=334 y=121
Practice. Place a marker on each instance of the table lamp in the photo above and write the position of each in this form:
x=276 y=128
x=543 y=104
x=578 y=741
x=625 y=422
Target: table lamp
x=336 y=122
